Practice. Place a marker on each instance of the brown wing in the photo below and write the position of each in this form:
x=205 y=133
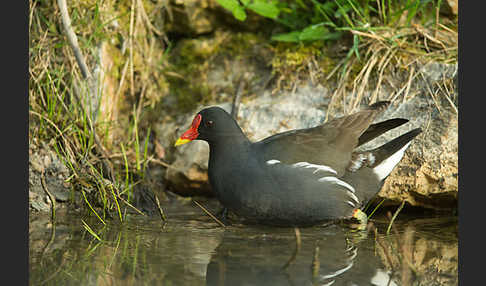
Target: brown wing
x=330 y=144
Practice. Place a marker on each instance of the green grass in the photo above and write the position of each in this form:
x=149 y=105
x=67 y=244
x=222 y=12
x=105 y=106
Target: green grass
x=322 y=20
x=407 y=31
x=58 y=119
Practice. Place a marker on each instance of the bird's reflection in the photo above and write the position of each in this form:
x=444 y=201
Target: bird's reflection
x=329 y=256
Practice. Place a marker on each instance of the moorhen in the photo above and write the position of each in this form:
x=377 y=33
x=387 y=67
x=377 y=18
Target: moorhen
x=299 y=177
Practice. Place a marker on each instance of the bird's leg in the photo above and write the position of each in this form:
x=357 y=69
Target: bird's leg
x=223 y=215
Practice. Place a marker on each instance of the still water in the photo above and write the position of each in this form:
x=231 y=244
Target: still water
x=192 y=249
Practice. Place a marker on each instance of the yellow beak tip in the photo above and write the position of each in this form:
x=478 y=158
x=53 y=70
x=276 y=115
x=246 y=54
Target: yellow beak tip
x=181 y=141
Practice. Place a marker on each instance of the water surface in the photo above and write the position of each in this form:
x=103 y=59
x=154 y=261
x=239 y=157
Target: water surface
x=192 y=249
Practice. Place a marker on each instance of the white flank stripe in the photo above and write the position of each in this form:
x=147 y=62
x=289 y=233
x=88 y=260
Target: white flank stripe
x=271 y=162
x=317 y=167
x=341 y=183
x=354 y=197
x=386 y=166
x=351 y=204
x=337 y=181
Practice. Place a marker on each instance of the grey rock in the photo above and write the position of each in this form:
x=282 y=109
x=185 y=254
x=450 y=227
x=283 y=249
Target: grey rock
x=45 y=161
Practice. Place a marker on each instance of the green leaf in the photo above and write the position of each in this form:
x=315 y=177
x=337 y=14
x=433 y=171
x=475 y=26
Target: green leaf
x=239 y=13
x=235 y=8
x=229 y=4
x=288 y=37
x=264 y=8
x=314 y=32
x=310 y=33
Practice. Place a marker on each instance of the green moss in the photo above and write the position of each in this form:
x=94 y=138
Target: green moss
x=189 y=97
x=118 y=60
x=240 y=43
x=294 y=56
x=292 y=62
x=193 y=59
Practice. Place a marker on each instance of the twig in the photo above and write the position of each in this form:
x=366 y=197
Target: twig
x=73 y=40
x=51 y=197
x=132 y=13
x=209 y=214
x=162 y=163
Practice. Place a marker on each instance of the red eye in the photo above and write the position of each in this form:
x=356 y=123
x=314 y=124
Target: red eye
x=209 y=123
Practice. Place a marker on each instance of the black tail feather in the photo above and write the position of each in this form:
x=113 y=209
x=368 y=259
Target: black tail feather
x=375 y=130
x=386 y=150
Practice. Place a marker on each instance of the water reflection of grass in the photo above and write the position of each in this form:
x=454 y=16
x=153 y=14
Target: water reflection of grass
x=130 y=253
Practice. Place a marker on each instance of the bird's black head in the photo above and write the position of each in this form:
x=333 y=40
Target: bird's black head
x=210 y=124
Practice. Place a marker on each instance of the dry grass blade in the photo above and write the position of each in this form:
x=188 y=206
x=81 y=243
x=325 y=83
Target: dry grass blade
x=147 y=20
x=362 y=80
x=385 y=60
x=130 y=205
x=298 y=244
x=409 y=82
x=339 y=93
x=209 y=214
x=447 y=92
x=405 y=87
x=423 y=32
x=161 y=212
x=90 y=230
x=372 y=36
x=50 y=122
x=431 y=93
x=394 y=217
